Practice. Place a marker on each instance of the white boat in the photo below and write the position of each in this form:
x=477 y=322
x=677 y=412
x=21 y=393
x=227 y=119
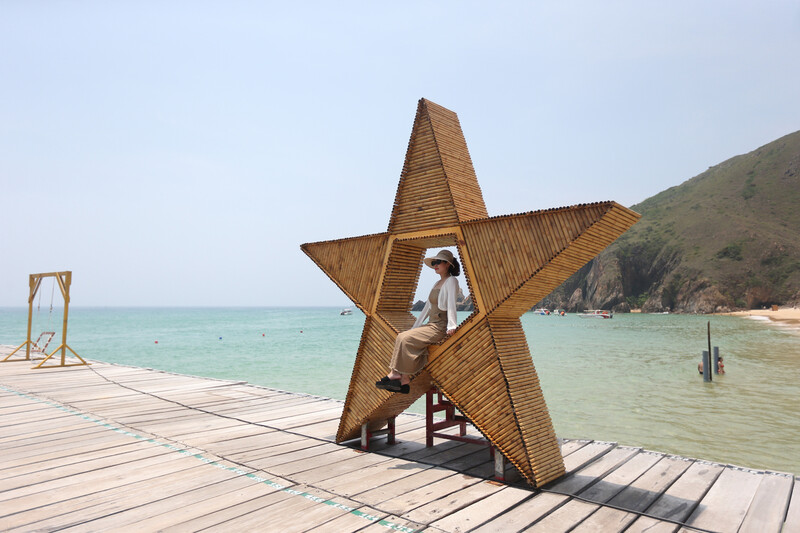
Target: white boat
x=542 y=311
x=346 y=311
x=596 y=313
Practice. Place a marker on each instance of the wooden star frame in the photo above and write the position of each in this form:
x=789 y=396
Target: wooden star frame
x=510 y=263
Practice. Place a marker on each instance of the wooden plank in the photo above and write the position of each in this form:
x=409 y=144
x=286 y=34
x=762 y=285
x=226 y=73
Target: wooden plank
x=324 y=517
x=403 y=503
x=528 y=512
x=37 y=417
x=125 y=406
x=646 y=524
x=636 y=496
x=298 y=416
x=291 y=469
x=34 y=504
x=140 y=419
x=725 y=505
x=28 y=468
x=586 y=454
x=480 y=456
x=400 y=488
x=607 y=520
x=69 y=446
x=259 y=404
x=792 y=522
x=354 y=483
x=679 y=500
x=258 y=445
x=220 y=436
x=156 y=455
x=189 y=425
x=770 y=504
x=565 y=517
x=642 y=492
x=440 y=452
x=81 y=504
x=480 y=511
x=66 y=454
x=176 y=509
x=621 y=477
x=12 y=404
x=397 y=524
x=133 y=454
x=268 y=415
x=35 y=434
x=158 y=494
x=288 y=510
x=442 y=507
x=214 y=517
x=195 y=482
x=375 y=520
x=579 y=479
x=301 y=420
x=338 y=469
x=325 y=430
x=288 y=451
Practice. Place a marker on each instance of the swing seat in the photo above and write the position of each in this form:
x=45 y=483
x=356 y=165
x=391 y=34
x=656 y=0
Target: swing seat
x=37 y=347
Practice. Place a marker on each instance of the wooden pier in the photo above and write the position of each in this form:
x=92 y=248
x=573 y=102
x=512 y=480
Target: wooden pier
x=112 y=448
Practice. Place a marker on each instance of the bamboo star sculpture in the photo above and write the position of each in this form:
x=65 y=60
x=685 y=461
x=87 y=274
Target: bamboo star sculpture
x=510 y=263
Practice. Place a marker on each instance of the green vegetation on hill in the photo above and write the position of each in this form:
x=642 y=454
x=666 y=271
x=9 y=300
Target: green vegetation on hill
x=727 y=238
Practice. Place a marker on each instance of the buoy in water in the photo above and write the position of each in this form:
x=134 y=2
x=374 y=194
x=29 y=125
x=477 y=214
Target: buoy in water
x=156 y=342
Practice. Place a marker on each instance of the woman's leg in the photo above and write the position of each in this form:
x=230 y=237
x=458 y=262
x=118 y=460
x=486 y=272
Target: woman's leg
x=411 y=351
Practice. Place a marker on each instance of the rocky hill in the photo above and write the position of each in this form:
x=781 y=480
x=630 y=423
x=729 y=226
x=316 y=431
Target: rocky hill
x=728 y=238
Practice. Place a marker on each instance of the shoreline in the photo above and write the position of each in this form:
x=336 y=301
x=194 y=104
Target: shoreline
x=786 y=317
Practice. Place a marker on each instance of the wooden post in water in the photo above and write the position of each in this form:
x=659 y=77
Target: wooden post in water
x=707 y=357
x=716 y=359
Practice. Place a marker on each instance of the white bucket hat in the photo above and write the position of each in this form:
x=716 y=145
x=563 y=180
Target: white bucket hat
x=443 y=255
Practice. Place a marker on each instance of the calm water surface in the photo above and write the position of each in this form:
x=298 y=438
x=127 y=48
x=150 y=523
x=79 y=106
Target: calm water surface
x=632 y=379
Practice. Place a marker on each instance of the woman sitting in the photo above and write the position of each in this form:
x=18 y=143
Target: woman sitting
x=411 y=347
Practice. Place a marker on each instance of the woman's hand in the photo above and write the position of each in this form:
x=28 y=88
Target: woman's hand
x=450 y=332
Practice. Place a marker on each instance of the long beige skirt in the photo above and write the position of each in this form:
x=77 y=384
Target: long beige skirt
x=411 y=347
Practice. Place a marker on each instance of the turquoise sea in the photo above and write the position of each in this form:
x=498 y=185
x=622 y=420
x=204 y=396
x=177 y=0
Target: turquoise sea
x=632 y=379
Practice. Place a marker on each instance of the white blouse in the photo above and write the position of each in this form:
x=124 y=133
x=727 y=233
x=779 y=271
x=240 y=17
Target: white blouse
x=447 y=301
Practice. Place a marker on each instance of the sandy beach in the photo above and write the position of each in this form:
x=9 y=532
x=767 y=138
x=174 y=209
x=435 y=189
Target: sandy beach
x=788 y=317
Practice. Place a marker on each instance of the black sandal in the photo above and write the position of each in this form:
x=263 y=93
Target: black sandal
x=385 y=383
x=392 y=385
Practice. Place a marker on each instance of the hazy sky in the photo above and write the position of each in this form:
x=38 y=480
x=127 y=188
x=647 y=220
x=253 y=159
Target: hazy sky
x=178 y=153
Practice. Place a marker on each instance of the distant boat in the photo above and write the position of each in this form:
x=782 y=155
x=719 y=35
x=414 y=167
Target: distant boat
x=542 y=311
x=346 y=311
x=596 y=313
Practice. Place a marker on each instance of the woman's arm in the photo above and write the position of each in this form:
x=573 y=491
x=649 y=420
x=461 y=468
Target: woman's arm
x=423 y=315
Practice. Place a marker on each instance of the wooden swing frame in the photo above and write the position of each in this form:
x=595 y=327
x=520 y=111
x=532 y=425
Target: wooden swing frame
x=64 y=280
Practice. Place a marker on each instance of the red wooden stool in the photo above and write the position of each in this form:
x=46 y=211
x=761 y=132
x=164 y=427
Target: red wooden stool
x=451 y=418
